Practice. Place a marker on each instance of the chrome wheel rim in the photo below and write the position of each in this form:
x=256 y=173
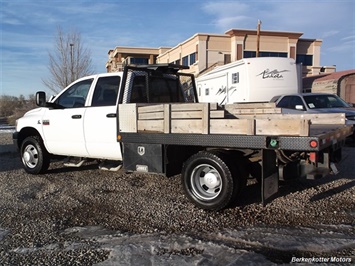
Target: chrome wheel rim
x=206 y=182
x=30 y=156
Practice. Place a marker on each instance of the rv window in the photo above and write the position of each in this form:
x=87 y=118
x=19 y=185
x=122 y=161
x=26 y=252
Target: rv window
x=207 y=91
x=235 y=78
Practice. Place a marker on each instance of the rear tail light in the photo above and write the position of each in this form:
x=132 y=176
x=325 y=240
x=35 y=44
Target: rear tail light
x=313 y=144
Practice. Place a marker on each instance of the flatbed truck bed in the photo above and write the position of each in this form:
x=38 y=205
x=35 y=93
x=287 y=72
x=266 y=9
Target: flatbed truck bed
x=202 y=124
x=249 y=138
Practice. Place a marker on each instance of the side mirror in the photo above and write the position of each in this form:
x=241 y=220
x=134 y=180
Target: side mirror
x=41 y=98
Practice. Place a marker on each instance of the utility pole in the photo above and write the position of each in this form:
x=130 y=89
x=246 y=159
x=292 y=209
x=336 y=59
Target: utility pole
x=258 y=38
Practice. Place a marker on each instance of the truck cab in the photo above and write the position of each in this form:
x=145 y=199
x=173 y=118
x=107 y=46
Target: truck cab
x=81 y=121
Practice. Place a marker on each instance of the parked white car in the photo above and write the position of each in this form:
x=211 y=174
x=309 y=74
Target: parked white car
x=315 y=103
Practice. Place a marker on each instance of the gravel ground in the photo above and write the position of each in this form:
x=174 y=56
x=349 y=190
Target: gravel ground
x=38 y=213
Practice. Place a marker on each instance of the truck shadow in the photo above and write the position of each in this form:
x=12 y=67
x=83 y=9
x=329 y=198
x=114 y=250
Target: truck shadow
x=58 y=167
x=333 y=191
x=9 y=161
x=252 y=192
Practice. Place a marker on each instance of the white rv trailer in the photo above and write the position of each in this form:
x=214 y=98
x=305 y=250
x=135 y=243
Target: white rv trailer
x=249 y=80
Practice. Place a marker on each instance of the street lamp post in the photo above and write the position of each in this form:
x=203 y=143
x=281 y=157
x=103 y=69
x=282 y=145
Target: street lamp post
x=71 y=62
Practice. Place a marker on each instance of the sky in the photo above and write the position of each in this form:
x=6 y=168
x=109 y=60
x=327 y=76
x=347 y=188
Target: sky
x=28 y=29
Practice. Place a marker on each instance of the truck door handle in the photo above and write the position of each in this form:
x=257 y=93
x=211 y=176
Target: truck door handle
x=111 y=115
x=76 y=116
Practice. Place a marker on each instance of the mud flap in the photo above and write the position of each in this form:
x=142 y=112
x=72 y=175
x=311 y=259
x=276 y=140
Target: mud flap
x=270 y=177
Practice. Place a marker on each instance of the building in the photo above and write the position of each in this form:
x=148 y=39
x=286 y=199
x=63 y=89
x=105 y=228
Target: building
x=120 y=56
x=204 y=51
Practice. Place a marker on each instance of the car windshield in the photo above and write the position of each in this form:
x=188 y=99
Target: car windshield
x=324 y=101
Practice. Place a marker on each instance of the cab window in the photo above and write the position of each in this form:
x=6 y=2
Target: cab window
x=285 y=102
x=75 y=96
x=296 y=101
x=290 y=102
x=106 y=91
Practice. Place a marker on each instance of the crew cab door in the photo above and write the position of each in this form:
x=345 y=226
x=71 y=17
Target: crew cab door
x=63 y=125
x=100 y=120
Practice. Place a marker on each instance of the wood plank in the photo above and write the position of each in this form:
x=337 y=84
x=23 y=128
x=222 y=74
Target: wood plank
x=217 y=114
x=151 y=116
x=213 y=106
x=282 y=127
x=182 y=107
x=192 y=106
x=150 y=108
x=238 y=111
x=232 y=126
x=152 y=126
x=250 y=105
x=325 y=119
x=167 y=118
x=316 y=119
x=206 y=119
x=186 y=115
x=186 y=126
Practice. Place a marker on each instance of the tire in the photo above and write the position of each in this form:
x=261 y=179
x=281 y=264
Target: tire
x=207 y=181
x=34 y=156
x=240 y=178
x=255 y=170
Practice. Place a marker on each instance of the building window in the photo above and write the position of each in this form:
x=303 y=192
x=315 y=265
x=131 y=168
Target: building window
x=306 y=60
x=189 y=59
x=249 y=54
x=176 y=62
x=235 y=77
x=192 y=58
x=139 y=61
x=185 y=61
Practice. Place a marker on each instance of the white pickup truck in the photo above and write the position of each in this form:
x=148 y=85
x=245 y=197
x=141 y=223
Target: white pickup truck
x=148 y=119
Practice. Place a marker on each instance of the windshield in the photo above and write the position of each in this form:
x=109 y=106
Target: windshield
x=324 y=101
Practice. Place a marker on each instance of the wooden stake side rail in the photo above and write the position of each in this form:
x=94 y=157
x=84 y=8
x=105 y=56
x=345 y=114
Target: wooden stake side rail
x=208 y=118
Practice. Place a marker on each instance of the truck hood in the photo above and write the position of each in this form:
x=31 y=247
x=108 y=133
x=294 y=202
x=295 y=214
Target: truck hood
x=33 y=111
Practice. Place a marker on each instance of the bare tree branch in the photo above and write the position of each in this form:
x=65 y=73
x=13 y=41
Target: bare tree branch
x=68 y=61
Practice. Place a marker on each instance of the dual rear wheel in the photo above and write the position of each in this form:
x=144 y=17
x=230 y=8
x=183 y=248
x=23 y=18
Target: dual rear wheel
x=210 y=181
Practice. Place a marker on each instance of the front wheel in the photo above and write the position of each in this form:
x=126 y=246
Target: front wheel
x=207 y=181
x=34 y=156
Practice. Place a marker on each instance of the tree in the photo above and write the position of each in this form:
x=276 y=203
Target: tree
x=68 y=61
x=12 y=107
